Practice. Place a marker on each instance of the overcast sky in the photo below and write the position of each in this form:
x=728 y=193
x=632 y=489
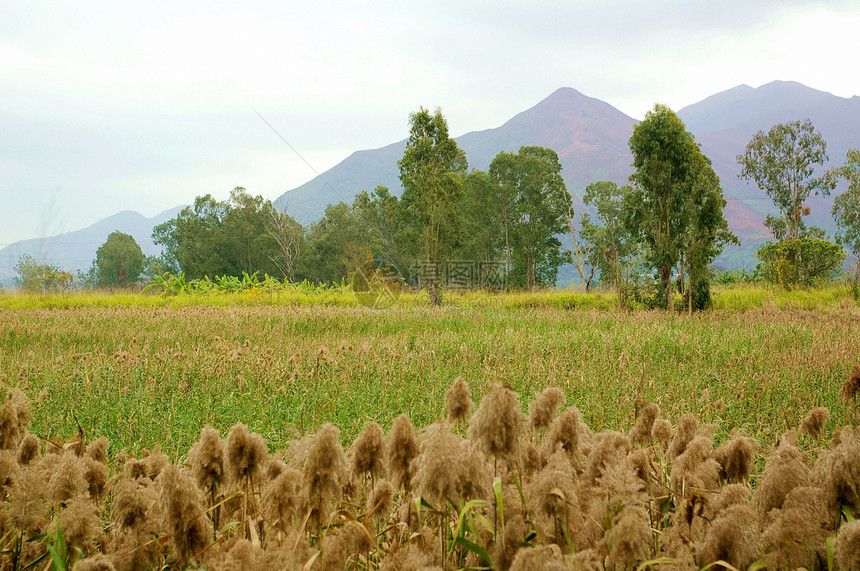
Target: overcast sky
x=110 y=106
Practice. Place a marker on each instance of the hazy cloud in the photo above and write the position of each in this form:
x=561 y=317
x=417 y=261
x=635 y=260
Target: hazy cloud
x=107 y=106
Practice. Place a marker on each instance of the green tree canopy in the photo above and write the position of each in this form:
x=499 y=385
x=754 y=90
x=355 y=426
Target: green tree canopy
x=533 y=198
x=482 y=237
x=675 y=210
x=802 y=261
x=782 y=163
x=846 y=207
x=431 y=172
x=610 y=244
x=338 y=244
x=119 y=261
x=226 y=237
x=37 y=277
x=372 y=231
x=393 y=240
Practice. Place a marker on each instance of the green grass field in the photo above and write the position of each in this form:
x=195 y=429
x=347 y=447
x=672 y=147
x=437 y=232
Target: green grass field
x=145 y=370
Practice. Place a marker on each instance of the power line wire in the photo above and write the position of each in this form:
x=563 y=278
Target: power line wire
x=298 y=154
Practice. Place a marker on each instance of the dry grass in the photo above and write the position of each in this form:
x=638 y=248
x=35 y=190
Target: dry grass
x=512 y=496
x=146 y=376
x=595 y=477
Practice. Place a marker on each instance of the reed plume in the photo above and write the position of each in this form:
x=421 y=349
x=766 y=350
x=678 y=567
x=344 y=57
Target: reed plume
x=207 y=458
x=184 y=515
x=849 y=389
x=441 y=469
x=246 y=454
x=322 y=473
x=14 y=419
x=401 y=448
x=458 y=401
x=496 y=426
x=544 y=407
x=563 y=433
x=641 y=432
x=847 y=546
x=368 y=451
x=736 y=458
x=785 y=469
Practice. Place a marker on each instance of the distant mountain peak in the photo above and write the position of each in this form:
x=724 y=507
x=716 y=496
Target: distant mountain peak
x=793 y=90
x=744 y=107
x=563 y=94
x=566 y=103
x=568 y=97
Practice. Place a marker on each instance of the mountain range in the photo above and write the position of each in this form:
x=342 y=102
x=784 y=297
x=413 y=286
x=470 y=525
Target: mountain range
x=590 y=137
x=76 y=250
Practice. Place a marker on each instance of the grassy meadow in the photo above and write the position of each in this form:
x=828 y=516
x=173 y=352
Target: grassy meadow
x=676 y=441
x=145 y=370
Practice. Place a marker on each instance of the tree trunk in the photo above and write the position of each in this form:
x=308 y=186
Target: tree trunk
x=507 y=241
x=666 y=275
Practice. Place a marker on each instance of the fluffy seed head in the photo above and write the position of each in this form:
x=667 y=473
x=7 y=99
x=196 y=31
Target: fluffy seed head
x=367 y=451
x=629 y=538
x=379 y=500
x=97 y=562
x=207 y=458
x=851 y=387
x=551 y=494
x=836 y=471
x=154 y=462
x=564 y=433
x=95 y=476
x=543 y=408
x=847 y=546
x=14 y=417
x=695 y=468
x=509 y=542
x=132 y=502
x=243 y=555
x=340 y=545
x=609 y=448
x=401 y=449
x=80 y=523
x=662 y=431
x=322 y=473
x=730 y=538
x=683 y=435
x=246 y=454
x=282 y=499
x=458 y=401
x=494 y=429
x=798 y=529
x=190 y=531
x=813 y=423
x=98 y=449
x=784 y=470
x=67 y=481
x=736 y=457
x=641 y=432
x=10 y=473
x=28 y=450
x=546 y=558
x=441 y=468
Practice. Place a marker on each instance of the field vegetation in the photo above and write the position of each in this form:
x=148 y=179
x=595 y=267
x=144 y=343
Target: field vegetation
x=299 y=389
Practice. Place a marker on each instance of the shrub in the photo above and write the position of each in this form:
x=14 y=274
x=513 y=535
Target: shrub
x=37 y=277
x=802 y=261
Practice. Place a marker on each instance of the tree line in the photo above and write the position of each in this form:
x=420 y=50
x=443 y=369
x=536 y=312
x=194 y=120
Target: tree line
x=651 y=238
